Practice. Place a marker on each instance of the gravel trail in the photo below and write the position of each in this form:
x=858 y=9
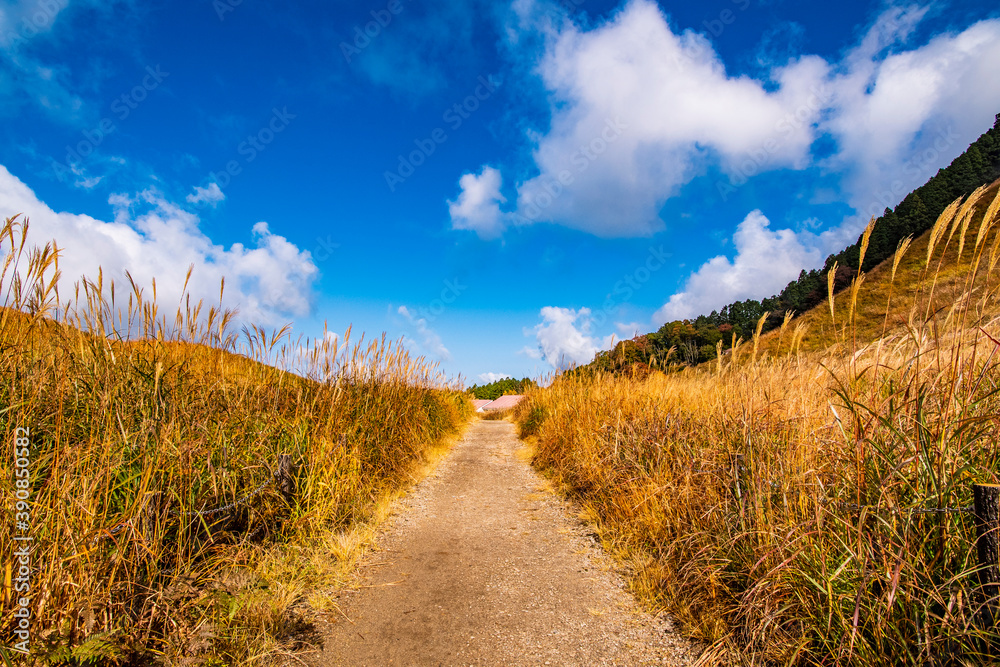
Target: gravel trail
x=483 y=566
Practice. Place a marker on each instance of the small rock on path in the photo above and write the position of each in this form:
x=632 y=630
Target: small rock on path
x=485 y=567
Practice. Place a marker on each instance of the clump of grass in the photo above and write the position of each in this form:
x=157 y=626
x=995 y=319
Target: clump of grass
x=768 y=500
x=139 y=418
x=530 y=421
x=496 y=415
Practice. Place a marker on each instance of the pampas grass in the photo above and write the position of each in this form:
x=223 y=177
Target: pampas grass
x=142 y=416
x=782 y=504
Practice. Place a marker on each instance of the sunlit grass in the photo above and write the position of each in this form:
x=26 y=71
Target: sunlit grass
x=496 y=415
x=732 y=489
x=138 y=415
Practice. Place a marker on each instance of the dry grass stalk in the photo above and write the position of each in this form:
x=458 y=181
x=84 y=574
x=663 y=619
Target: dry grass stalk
x=831 y=278
x=139 y=416
x=735 y=493
x=947 y=215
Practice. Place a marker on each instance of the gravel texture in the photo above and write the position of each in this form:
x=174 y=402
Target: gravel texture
x=484 y=566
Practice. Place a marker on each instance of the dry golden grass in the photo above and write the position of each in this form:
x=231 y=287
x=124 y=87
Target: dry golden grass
x=888 y=300
x=140 y=418
x=765 y=500
x=496 y=415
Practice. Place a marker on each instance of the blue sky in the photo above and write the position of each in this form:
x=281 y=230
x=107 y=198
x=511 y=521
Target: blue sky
x=507 y=186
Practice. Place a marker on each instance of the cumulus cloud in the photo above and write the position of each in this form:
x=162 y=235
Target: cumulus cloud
x=765 y=262
x=638 y=110
x=487 y=378
x=635 y=107
x=210 y=196
x=269 y=281
x=564 y=338
x=429 y=339
x=898 y=115
x=478 y=205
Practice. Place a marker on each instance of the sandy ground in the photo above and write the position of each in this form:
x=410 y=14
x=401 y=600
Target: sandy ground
x=483 y=566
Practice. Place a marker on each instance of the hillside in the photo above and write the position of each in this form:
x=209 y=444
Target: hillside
x=805 y=498
x=160 y=526
x=494 y=390
x=696 y=340
x=887 y=304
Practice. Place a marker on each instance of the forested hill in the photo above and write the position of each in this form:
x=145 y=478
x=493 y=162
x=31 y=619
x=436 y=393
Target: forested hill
x=495 y=390
x=695 y=340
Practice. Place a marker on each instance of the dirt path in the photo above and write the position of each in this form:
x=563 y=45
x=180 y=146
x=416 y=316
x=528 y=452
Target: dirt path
x=484 y=567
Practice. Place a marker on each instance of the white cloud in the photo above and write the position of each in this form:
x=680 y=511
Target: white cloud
x=638 y=110
x=635 y=108
x=478 y=205
x=89 y=182
x=629 y=329
x=898 y=117
x=429 y=339
x=487 y=378
x=270 y=282
x=211 y=195
x=564 y=338
x=765 y=262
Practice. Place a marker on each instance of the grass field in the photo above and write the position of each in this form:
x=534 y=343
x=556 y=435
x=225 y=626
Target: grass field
x=138 y=417
x=766 y=499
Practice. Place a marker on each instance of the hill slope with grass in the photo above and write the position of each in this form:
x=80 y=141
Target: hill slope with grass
x=803 y=499
x=910 y=286
x=138 y=435
x=696 y=340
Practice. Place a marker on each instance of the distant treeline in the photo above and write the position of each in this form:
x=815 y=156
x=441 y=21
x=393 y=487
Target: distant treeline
x=494 y=390
x=695 y=340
